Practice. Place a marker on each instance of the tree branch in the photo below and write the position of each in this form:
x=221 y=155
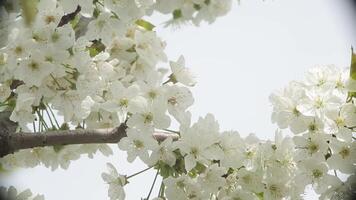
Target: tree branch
x=24 y=140
x=68 y=17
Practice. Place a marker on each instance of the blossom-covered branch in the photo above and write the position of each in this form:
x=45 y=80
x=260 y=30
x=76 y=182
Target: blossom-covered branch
x=25 y=140
x=97 y=67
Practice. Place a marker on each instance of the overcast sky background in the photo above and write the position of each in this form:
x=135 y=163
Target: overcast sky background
x=239 y=60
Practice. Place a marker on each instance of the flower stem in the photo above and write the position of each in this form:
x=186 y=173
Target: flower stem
x=50 y=118
x=34 y=127
x=56 y=82
x=41 y=121
x=55 y=119
x=161 y=190
x=153 y=184
x=138 y=173
x=172 y=131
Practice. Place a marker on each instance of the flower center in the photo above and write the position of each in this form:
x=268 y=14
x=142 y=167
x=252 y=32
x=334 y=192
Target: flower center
x=313 y=148
x=296 y=112
x=194 y=151
x=49 y=19
x=317 y=173
x=312 y=127
x=148 y=118
x=18 y=50
x=152 y=94
x=33 y=65
x=345 y=152
x=124 y=102
x=173 y=101
x=340 y=122
x=321 y=82
x=138 y=144
x=180 y=184
x=319 y=103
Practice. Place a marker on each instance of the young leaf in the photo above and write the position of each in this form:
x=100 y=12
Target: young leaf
x=353 y=65
x=29 y=10
x=145 y=24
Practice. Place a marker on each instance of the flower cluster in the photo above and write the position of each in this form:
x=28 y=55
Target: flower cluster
x=11 y=194
x=94 y=63
x=194 y=11
x=317 y=111
x=96 y=70
x=52 y=157
x=205 y=163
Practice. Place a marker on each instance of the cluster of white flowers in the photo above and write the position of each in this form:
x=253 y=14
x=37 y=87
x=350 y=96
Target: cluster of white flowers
x=52 y=157
x=94 y=70
x=322 y=117
x=194 y=11
x=11 y=194
x=207 y=164
x=95 y=64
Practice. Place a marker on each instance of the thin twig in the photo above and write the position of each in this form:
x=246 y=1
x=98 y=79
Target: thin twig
x=135 y=174
x=153 y=184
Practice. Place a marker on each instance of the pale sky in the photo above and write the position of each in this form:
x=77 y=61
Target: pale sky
x=239 y=60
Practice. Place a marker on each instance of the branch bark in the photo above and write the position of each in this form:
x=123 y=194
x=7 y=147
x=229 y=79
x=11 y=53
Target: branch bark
x=12 y=142
x=68 y=17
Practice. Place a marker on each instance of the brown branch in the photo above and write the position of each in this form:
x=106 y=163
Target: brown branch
x=68 y=17
x=16 y=141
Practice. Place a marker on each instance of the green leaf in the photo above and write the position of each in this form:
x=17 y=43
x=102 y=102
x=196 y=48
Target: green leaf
x=11 y=102
x=260 y=195
x=352 y=95
x=58 y=148
x=200 y=168
x=164 y=169
x=131 y=49
x=75 y=21
x=29 y=10
x=197 y=6
x=96 y=48
x=93 y=51
x=96 y=13
x=145 y=24
x=177 y=14
x=353 y=65
x=2 y=170
x=64 y=126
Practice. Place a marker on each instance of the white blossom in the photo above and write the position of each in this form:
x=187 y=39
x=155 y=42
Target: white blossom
x=181 y=74
x=137 y=144
x=116 y=183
